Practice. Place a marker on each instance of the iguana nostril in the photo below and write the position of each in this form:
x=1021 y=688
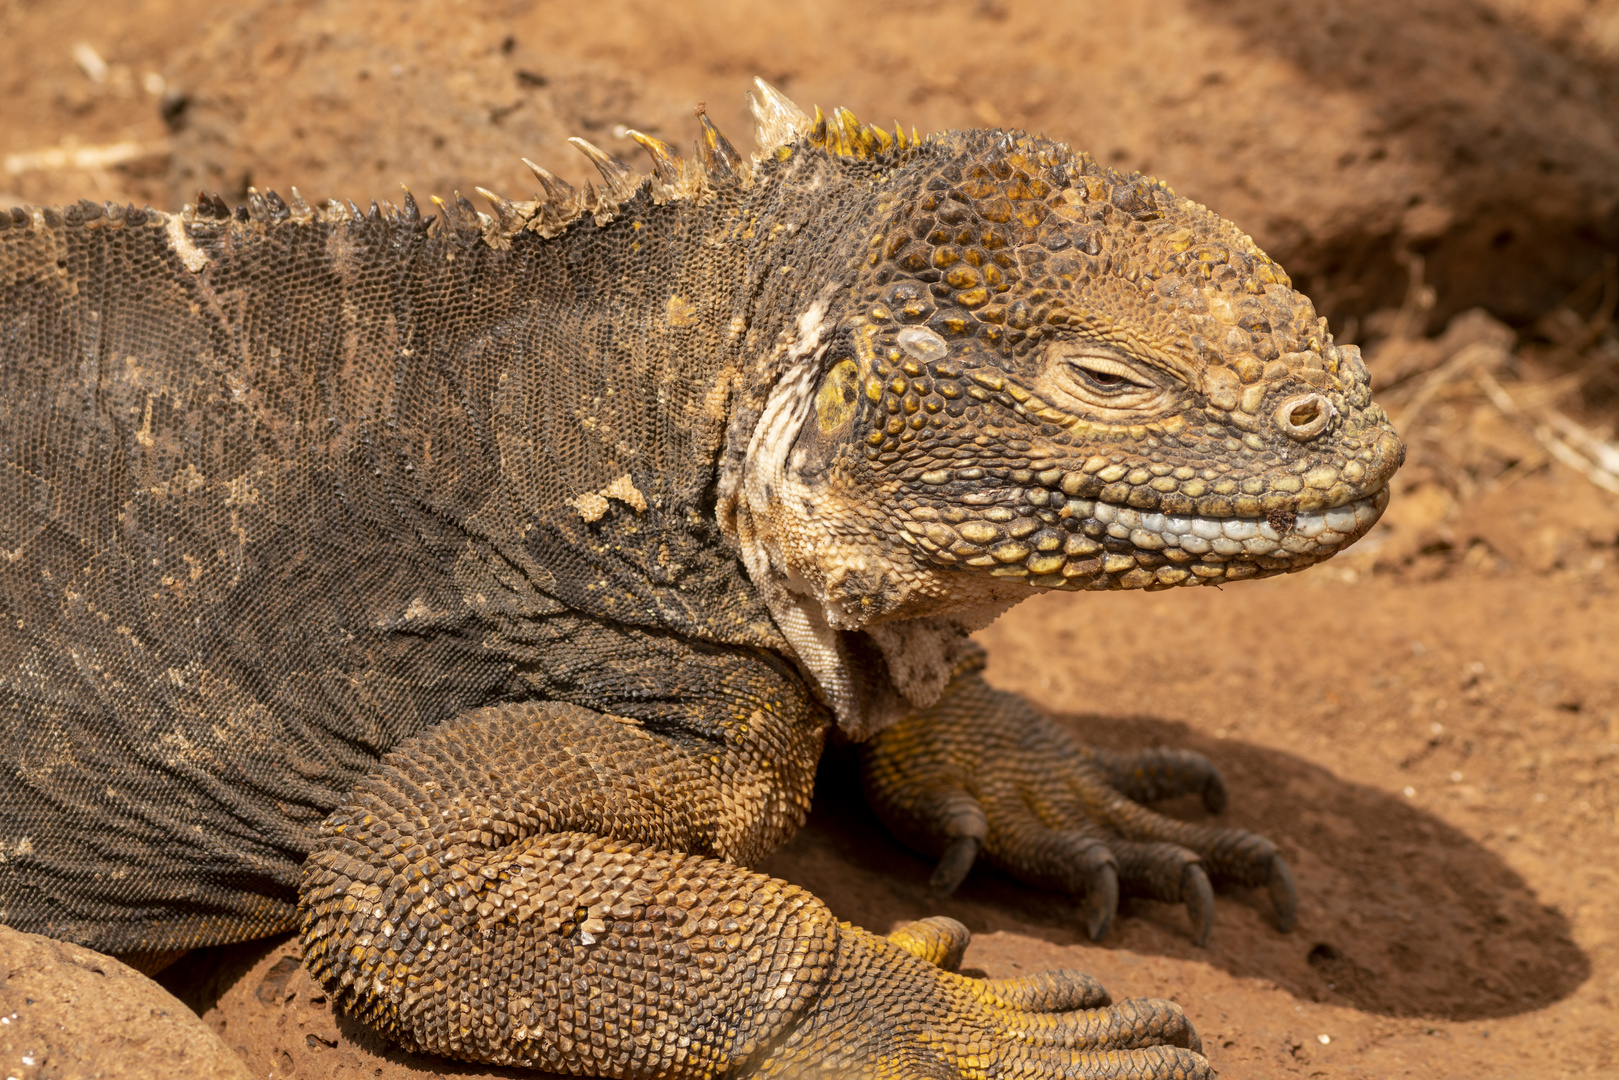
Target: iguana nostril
x=1303 y=417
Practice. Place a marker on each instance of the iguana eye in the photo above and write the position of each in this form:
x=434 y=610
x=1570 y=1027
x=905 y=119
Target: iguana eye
x=1092 y=379
x=1108 y=376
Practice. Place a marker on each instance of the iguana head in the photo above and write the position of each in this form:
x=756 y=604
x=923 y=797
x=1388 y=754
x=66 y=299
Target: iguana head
x=1045 y=374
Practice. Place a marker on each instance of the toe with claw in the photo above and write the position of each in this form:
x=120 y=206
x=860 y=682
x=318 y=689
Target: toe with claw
x=982 y=774
x=894 y=1008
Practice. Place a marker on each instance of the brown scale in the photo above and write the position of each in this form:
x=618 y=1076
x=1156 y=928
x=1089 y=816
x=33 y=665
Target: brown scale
x=389 y=547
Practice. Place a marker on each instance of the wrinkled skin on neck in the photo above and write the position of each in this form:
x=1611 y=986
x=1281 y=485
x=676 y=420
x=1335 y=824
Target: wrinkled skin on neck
x=1040 y=374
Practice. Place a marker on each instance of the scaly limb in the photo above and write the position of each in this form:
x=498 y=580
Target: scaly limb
x=891 y=1008
x=467 y=903
x=981 y=771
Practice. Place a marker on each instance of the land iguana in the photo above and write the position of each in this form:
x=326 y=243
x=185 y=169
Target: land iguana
x=476 y=592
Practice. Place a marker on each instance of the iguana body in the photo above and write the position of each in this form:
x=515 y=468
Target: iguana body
x=617 y=500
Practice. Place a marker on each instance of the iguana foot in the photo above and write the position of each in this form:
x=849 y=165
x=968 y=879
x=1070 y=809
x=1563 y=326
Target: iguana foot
x=893 y=1007
x=981 y=771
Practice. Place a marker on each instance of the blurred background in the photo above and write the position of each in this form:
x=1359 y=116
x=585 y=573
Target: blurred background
x=1428 y=724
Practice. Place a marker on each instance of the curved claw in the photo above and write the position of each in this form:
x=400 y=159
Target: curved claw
x=981 y=772
x=954 y=865
x=1284 y=897
x=1198 y=895
x=1101 y=901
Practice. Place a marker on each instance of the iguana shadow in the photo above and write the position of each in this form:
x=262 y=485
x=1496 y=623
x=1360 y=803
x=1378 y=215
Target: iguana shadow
x=1400 y=914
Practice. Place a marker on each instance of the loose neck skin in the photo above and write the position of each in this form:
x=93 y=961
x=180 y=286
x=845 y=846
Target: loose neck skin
x=829 y=563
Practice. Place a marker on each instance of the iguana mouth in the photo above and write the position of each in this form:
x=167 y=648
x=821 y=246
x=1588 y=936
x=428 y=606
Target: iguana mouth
x=1077 y=543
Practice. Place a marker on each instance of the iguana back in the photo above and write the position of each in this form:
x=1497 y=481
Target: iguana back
x=280 y=490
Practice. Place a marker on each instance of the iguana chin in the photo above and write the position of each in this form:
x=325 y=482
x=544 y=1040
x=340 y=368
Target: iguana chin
x=477 y=594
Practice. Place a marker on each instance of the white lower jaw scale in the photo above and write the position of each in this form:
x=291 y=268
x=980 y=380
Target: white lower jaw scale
x=1312 y=532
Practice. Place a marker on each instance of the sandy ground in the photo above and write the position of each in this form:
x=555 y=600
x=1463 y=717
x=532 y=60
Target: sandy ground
x=1428 y=726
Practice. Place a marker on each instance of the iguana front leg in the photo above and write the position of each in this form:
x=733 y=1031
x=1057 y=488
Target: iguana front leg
x=981 y=770
x=535 y=884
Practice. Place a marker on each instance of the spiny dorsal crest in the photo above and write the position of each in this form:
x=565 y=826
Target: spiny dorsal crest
x=778 y=123
x=715 y=163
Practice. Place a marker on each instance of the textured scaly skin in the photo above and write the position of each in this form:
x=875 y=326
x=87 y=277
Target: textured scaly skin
x=477 y=595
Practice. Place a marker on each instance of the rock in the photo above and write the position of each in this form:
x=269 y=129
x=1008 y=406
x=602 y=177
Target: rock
x=66 y=1011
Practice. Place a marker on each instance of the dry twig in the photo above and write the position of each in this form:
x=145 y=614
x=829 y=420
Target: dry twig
x=1596 y=459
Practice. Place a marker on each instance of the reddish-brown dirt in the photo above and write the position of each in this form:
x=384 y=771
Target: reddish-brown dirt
x=1428 y=726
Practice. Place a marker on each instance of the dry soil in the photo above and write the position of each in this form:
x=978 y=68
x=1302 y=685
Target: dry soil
x=1428 y=726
